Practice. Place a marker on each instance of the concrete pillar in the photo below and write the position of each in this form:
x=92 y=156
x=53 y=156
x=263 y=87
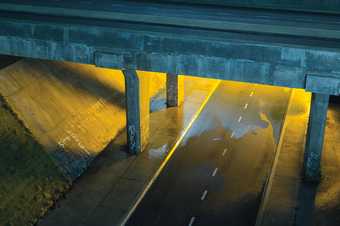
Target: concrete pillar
x=315 y=137
x=137 y=110
x=172 y=90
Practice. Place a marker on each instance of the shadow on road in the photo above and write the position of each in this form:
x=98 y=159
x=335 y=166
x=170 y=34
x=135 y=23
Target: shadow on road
x=306 y=199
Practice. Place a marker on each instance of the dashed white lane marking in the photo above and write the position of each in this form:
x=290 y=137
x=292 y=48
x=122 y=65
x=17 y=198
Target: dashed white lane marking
x=204 y=195
x=251 y=94
x=246 y=106
x=217 y=138
x=239 y=119
x=232 y=135
x=192 y=220
x=224 y=151
x=214 y=173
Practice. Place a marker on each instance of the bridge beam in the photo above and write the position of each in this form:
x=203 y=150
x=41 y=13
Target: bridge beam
x=315 y=137
x=137 y=110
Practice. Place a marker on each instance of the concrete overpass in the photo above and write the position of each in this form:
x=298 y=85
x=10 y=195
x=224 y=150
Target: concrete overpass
x=291 y=44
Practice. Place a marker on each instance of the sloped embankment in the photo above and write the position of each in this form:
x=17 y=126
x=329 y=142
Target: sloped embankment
x=58 y=117
x=29 y=179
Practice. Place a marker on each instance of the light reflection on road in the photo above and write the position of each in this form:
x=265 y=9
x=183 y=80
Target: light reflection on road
x=217 y=174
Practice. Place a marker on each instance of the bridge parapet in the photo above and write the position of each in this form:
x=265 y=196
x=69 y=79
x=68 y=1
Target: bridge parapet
x=261 y=58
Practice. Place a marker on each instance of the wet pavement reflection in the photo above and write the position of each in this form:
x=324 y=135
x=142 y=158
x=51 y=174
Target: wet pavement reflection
x=217 y=174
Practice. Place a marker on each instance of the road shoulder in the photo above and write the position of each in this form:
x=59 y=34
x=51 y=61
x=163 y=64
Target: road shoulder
x=116 y=181
x=281 y=196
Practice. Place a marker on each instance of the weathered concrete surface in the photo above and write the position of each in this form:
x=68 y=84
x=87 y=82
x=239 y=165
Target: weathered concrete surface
x=202 y=46
x=282 y=201
x=137 y=110
x=108 y=190
x=296 y=49
x=312 y=6
x=72 y=110
x=172 y=90
x=315 y=136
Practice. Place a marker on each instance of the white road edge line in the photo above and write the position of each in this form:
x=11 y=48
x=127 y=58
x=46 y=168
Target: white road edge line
x=224 y=151
x=204 y=195
x=245 y=106
x=239 y=119
x=192 y=220
x=171 y=152
x=214 y=173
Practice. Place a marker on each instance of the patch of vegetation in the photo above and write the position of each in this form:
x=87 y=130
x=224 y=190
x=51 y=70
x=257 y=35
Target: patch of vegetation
x=29 y=180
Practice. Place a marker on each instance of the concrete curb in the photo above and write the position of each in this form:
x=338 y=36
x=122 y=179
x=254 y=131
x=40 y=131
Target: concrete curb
x=269 y=182
x=171 y=152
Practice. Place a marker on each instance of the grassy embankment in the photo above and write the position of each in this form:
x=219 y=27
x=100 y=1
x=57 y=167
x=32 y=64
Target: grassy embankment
x=29 y=180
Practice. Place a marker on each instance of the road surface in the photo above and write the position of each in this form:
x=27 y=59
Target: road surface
x=216 y=176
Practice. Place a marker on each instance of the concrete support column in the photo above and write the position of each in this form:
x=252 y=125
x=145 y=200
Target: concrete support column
x=315 y=137
x=137 y=110
x=172 y=99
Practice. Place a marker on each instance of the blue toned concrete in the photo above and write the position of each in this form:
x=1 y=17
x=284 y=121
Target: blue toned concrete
x=299 y=48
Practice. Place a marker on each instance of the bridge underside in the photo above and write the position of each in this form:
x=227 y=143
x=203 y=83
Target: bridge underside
x=292 y=49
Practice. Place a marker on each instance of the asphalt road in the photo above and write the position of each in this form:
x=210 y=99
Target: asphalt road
x=216 y=176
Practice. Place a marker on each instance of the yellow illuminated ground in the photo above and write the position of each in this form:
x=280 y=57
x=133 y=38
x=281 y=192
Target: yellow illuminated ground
x=80 y=109
x=76 y=109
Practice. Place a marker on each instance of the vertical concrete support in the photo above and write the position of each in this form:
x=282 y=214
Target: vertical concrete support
x=315 y=137
x=172 y=98
x=137 y=110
